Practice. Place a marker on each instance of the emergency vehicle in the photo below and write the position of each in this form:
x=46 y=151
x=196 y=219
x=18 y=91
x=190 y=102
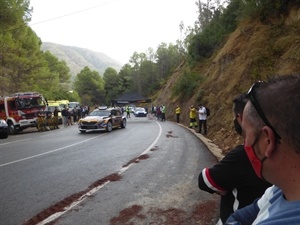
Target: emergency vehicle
x=20 y=110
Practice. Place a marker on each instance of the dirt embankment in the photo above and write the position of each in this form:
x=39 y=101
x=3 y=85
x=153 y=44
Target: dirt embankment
x=254 y=51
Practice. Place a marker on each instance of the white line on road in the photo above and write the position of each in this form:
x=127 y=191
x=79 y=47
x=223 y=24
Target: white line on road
x=95 y=189
x=45 y=153
x=15 y=141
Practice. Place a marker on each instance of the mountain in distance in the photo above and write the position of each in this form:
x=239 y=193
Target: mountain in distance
x=77 y=58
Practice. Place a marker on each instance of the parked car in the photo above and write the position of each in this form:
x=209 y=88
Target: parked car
x=140 y=112
x=102 y=119
x=3 y=129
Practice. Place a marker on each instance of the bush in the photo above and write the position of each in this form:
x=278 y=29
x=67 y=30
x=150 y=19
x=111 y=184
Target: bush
x=186 y=85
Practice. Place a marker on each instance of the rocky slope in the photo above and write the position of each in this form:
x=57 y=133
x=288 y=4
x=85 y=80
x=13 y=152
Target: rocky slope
x=254 y=51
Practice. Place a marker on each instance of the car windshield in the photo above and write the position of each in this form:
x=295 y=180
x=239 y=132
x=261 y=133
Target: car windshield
x=34 y=102
x=100 y=113
x=140 y=109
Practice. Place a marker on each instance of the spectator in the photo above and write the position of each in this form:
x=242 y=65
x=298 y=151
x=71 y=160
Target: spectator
x=271 y=124
x=55 y=118
x=127 y=112
x=193 y=113
x=163 y=113
x=158 y=112
x=69 y=117
x=233 y=177
x=177 y=112
x=202 y=119
x=64 y=114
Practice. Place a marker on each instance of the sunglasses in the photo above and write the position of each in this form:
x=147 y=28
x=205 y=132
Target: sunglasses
x=251 y=96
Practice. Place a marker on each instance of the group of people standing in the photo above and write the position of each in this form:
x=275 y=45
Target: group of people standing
x=160 y=112
x=72 y=115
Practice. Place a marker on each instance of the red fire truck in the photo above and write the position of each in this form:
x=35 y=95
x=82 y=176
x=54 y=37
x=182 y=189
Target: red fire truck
x=20 y=110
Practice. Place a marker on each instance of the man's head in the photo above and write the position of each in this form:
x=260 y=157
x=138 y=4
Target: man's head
x=271 y=124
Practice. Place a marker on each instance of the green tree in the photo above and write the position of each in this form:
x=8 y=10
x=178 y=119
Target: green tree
x=125 y=79
x=112 y=85
x=136 y=60
x=90 y=87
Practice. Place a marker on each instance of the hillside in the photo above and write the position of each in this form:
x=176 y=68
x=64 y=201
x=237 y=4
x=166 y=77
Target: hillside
x=77 y=58
x=254 y=51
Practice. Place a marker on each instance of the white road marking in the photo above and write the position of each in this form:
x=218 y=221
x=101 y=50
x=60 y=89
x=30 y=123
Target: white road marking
x=94 y=190
x=46 y=153
x=15 y=141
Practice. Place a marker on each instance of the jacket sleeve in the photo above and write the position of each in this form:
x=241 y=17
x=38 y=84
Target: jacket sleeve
x=226 y=174
x=246 y=215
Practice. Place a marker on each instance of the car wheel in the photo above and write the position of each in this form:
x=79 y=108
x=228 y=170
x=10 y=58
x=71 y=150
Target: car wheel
x=123 y=124
x=109 y=126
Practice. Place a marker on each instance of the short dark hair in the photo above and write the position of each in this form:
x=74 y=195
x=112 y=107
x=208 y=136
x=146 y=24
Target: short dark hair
x=279 y=99
x=239 y=103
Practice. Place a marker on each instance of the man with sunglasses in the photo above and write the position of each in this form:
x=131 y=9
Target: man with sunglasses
x=271 y=123
x=233 y=177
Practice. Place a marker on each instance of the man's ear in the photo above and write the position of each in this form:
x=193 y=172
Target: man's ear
x=269 y=141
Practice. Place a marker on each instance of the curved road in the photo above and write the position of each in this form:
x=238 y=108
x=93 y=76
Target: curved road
x=143 y=174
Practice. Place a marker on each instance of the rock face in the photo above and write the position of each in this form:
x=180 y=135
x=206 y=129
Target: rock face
x=254 y=51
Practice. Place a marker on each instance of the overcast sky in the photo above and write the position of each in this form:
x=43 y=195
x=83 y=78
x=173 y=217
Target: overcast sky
x=116 y=28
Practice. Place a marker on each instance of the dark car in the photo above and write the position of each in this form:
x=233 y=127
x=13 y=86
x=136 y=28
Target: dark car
x=3 y=129
x=102 y=119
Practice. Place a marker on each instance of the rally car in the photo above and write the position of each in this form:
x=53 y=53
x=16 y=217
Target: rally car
x=102 y=119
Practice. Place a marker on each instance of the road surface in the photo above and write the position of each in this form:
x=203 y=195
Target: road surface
x=143 y=174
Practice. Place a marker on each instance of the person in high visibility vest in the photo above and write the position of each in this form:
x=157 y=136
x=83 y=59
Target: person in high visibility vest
x=127 y=111
x=163 y=113
x=177 y=112
x=55 y=118
x=193 y=114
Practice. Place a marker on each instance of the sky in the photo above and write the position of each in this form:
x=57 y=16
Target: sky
x=117 y=28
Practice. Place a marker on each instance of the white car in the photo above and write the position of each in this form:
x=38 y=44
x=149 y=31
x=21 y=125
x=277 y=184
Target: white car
x=140 y=112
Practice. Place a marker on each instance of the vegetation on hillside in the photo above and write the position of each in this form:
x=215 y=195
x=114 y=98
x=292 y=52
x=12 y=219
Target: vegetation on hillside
x=266 y=42
x=24 y=67
x=203 y=48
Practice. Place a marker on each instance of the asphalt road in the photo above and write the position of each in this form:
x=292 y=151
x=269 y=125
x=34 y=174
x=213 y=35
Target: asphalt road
x=143 y=174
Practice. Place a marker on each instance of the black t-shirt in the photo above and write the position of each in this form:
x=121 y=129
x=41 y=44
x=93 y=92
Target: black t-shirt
x=234 y=173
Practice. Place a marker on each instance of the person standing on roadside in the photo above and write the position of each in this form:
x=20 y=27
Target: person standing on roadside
x=233 y=177
x=193 y=114
x=64 y=114
x=202 y=119
x=177 y=113
x=271 y=124
x=55 y=118
x=163 y=113
x=127 y=112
